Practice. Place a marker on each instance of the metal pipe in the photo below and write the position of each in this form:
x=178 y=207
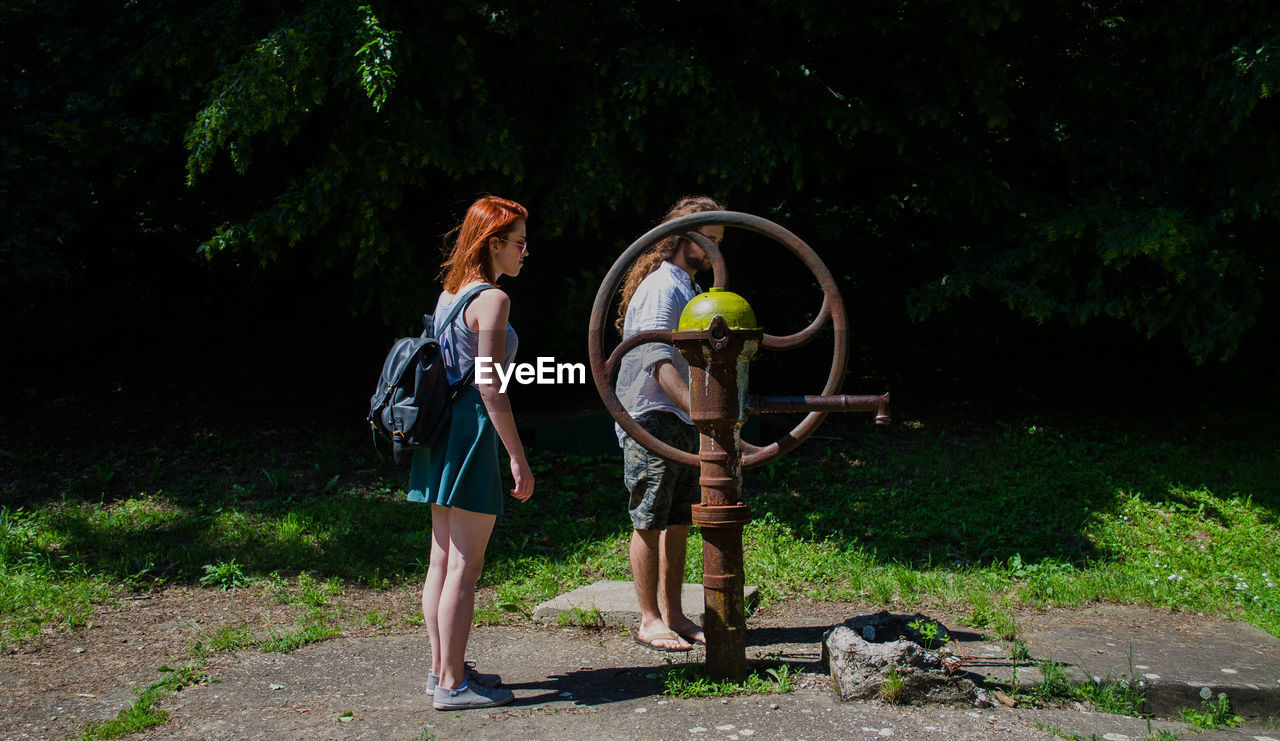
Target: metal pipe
x=838 y=403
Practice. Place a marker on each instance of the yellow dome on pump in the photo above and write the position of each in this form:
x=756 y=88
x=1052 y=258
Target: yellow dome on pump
x=704 y=307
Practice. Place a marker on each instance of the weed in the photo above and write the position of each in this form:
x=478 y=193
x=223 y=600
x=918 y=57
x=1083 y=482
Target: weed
x=156 y=470
x=483 y=615
x=330 y=485
x=1053 y=684
x=1115 y=696
x=1213 y=714
x=690 y=680
x=36 y=586
x=1057 y=732
x=892 y=686
x=928 y=630
x=175 y=678
x=317 y=625
x=104 y=473
x=581 y=618
x=230 y=638
x=330 y=455
x=1003 y=623
x=376 y=618
x=142 y=713
x=782 y=678
x=318 y=594
x=279 y=480
x=508 y=600
x=302 y=635
x=980 y=610
x=1018 y=650
x=880 y=592
x=224 y=575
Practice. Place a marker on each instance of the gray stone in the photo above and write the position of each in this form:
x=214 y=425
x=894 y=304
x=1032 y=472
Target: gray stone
x=865 y=669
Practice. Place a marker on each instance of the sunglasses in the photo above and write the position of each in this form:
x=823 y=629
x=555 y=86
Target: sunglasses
x=522 y=244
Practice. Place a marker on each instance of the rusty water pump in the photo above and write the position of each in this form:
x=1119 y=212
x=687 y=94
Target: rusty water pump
x=718 y=335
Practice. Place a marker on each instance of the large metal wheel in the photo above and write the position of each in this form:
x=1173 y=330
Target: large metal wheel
x=603 y=366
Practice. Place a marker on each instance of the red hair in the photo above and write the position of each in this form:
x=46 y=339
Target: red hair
x=468 y=260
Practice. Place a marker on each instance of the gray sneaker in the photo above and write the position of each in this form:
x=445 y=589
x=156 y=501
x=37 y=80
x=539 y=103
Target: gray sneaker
x=471 y=696
x=473 y=676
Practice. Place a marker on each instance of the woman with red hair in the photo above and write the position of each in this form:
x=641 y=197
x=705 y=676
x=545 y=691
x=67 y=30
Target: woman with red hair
x=459 y=475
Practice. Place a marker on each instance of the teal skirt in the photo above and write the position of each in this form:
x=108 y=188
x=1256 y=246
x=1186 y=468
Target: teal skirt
x=461 y=469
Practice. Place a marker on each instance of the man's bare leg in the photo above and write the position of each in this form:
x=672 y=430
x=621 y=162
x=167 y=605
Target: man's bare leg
x=646 y=560
x=674 y=545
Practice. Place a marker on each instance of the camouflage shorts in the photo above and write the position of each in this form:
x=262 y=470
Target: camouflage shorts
x=661 y=492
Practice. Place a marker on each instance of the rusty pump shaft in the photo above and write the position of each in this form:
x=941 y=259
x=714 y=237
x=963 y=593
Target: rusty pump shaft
x=718 y=361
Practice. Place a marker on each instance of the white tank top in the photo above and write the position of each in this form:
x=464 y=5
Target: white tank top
x=459 y=343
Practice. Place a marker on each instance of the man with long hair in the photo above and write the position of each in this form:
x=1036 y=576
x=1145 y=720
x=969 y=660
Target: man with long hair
x=653 y=385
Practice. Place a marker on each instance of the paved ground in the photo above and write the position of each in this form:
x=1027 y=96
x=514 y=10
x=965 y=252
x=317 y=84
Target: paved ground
x=1178 y=659
x=584 y=683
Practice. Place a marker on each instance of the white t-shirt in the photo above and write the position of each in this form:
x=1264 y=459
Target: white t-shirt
x=656 y=304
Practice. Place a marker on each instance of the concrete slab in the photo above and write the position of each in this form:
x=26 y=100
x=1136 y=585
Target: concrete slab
x=616 y=603
x=1179 y=659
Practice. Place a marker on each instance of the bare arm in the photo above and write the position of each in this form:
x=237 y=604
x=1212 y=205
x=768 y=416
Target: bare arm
x=672 y=382
x=490 y=311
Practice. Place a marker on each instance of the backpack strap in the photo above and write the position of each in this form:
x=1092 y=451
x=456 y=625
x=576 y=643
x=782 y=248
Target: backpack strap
x=459 y=304
x=462 y=301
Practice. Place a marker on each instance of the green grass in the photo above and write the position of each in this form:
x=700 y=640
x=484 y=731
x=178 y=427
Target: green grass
x=227 y=638
x=39 y=584
x=1057 y=732
x=322 y=613
x=304 y=633
x=1161 y=735
x=580 y=618
x=891 y=688
x=1115 y=696
x=1118 y=696
x=980 y=519
x=690 y=680
x=142 y=713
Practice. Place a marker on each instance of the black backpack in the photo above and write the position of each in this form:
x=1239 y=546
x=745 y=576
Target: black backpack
x=413 y=402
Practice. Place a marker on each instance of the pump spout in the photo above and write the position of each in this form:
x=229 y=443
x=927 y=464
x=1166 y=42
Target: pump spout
x=839 y=403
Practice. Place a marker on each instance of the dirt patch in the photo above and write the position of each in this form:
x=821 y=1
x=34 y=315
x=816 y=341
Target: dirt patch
x=55 y=684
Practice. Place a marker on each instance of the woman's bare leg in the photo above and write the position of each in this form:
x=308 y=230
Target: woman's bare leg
x=434 y=583
x=468 y=537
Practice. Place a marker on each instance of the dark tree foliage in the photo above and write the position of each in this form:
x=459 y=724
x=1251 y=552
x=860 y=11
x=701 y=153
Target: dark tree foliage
x=1078 y=162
